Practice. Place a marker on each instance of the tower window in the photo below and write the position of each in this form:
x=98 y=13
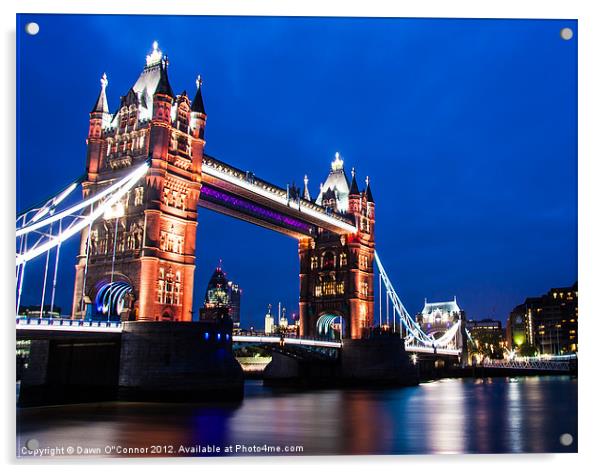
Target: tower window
x=138 y=195
x=364 y=289
x=168 y=291
x=328 y=260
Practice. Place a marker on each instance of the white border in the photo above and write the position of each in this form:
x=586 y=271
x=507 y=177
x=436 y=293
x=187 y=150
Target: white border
x=590 y=235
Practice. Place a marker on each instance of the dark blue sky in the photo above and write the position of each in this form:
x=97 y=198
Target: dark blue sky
x=467 y=128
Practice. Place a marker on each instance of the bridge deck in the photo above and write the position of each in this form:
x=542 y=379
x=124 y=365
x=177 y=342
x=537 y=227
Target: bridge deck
x=75 y=326
x=298 y=216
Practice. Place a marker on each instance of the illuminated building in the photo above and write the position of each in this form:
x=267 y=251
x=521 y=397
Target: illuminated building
x=486 y=337
x=546 y=324
x=436 y=318
x=282 y=320
x=269 y=321
x=235 y=294
x=216 y=294
x=337 y=271
x=137 y=263
x=222 y=293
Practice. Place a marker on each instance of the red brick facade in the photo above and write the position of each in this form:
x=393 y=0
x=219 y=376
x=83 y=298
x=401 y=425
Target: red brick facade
x=337 y=273
x=154 y=251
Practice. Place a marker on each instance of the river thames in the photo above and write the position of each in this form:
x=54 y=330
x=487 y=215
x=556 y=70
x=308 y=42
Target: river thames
x=492 y=415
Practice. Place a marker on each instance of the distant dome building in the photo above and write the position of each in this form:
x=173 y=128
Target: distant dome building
x=217 y=290
x=222 y=293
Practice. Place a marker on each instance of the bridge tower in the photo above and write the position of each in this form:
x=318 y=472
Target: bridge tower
x=137 y=263
x=337 y=271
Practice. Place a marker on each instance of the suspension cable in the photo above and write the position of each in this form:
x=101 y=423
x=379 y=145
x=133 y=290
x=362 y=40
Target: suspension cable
x=56 y=267
x=113 y=265
x=380 y=300
x=118 y=191
x=21 y=277
x=82 y=302
x=45 y=277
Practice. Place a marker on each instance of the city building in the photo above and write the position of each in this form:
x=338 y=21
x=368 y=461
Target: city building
x=436 y=318
x=282 y=320
x=235 y=294
x=546 y=324
x=486 y=338
x=222 y=293
x=269 y=321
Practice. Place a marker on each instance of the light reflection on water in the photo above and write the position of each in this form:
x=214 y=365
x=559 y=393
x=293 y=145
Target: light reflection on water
x=448 y=416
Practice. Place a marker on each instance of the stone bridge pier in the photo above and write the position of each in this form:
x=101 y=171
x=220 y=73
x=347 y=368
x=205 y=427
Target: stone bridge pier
x=367 y=362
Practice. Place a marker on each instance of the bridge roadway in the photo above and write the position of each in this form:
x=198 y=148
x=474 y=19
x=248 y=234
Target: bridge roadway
x=243 y=195
x=29 y=328
x=26 y=327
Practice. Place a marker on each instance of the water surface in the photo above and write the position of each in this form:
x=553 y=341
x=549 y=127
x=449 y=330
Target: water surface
x=495 y=415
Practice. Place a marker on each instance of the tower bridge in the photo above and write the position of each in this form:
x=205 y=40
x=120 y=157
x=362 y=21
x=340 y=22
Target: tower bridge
x=147 y=173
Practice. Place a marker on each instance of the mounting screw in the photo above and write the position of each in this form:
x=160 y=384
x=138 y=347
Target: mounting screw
x=566 y=33
x=566 y=439
x=32 y=28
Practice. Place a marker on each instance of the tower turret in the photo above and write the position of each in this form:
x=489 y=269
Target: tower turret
x=162 y=102
x=306 y=194
x=198 y=120
x=100 y=119
x=354 y=195
x=368 y=191
x=337 y=271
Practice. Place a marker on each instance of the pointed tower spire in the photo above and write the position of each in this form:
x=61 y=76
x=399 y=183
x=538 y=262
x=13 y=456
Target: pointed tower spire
x=164 y=87
x=337 y=164
x=154 y=58
x=306 y=194
x=102 y=105
x=354 y=188
x=197 y=103
x=369 y=197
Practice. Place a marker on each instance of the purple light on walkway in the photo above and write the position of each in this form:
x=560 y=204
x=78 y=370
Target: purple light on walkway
x=250 y=207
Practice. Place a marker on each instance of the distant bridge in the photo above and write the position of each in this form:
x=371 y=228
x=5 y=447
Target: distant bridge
x=539 y=363
x=42 y=325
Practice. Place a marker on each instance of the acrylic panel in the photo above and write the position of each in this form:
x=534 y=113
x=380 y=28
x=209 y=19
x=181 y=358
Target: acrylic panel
x=295 y=236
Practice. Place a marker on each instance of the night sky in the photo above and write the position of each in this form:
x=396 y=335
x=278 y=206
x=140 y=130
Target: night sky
x=467 y=129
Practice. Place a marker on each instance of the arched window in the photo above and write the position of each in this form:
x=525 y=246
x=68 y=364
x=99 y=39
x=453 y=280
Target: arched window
x=329 y=286
x=328 y=260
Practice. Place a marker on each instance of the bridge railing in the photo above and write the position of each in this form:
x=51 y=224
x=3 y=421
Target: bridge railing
x=219 y=169
x=258 y=333
x=259 y=337
x=37 y=323
x=531 y=364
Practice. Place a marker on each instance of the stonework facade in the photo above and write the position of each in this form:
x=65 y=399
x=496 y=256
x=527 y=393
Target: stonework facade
x=141 y=255
x=337 y=271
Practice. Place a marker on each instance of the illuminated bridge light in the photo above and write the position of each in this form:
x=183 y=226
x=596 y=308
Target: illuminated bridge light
x=248 y=207
x=214 y=168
